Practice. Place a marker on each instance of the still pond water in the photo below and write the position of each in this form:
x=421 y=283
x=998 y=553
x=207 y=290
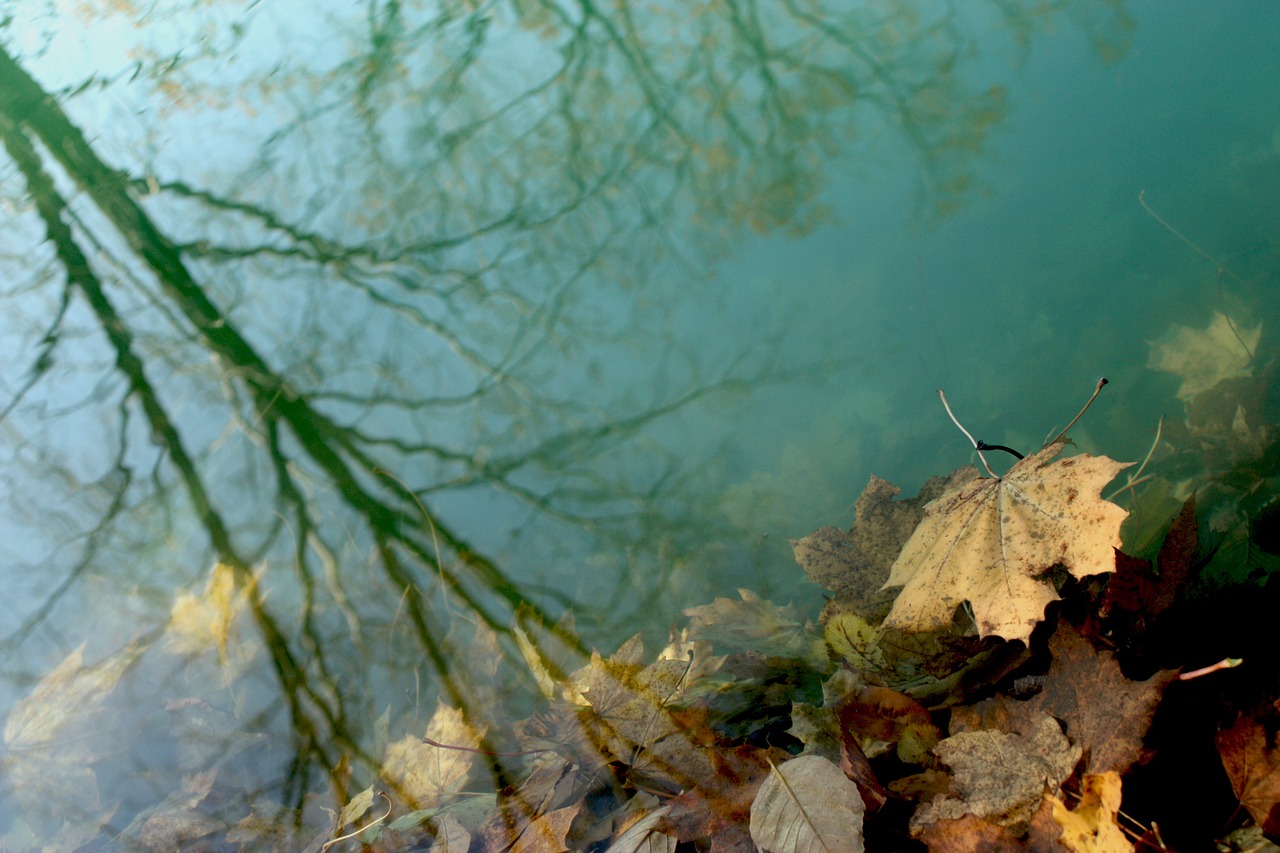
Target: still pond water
x=436 y=315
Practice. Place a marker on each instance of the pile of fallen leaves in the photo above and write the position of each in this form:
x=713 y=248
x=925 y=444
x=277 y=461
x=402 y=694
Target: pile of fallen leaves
x=990 y=672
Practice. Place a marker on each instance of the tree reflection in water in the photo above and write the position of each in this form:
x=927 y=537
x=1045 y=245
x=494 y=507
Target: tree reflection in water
x=338 y=313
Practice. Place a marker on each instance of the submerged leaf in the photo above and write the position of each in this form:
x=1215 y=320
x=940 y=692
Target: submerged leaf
x=60 y=707
x=755 y=624
x=806 y=805
x=989 y=541
x=854 y=565
x=1205 y=357
x=430 y=775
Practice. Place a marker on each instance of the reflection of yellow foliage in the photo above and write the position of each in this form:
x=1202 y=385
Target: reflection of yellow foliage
x=199 y=622
x=1205 y=357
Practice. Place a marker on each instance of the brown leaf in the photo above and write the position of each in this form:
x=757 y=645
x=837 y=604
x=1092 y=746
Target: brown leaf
x=880 y=718
x=999 y=776
x=989 y=541
x=1253 y=767
x=806 y=805
x=547 y=833
x=855 y=565
x=553 y=784
x=1135 y=596
x=1105 y=713
x=969 y=834
x=719 y=806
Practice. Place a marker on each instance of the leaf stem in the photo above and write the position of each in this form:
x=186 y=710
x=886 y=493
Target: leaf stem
x=951 y=414
x=1060 y=436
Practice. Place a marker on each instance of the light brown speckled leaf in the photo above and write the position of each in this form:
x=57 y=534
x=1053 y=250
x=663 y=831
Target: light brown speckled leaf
x=805 y=806
x=998 y=776
x=986 y=542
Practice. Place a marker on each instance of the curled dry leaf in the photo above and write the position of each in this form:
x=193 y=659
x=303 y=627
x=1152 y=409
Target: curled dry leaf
x=806 y=805
x=989 y=541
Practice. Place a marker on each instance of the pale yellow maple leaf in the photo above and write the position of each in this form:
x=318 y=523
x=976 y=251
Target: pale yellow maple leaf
x=989 y=541
x=1205 y=357
x=430 y=775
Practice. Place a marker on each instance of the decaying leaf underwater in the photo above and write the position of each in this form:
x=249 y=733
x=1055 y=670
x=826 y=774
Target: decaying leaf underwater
x=1029 y=686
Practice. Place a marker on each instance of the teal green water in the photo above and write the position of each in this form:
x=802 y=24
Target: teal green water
x=582 y=308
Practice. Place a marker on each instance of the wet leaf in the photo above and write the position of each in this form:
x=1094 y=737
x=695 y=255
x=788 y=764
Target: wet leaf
x=755 y=624
x=881 y=719
x=58 y=711
x=1105 y=713
x=855 y=565
x=1205 y=357
x=807 y=805
x=206 y=621
x=547 y=832
x=1136 y=596
x=1254 y=770
x=1000 y=776
x=432 y=775
x=970 y=834
x=450 y=836
x=358 y=805
x=640 y=833
x=629 y=700
x=1092 y=827
x=851 y=638
x=989 y=541
x=54 y=735
x=266 y=827
x=175 y=821
x=719 y=805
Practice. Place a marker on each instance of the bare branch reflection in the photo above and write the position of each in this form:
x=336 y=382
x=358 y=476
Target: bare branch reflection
x=347 y=312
